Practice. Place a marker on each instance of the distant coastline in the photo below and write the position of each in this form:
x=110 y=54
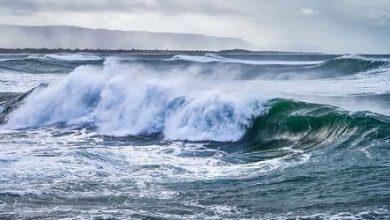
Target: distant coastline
x=67 y=50
x=136 y=51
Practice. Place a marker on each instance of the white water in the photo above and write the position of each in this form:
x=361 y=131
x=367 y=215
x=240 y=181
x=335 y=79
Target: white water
x=125 y=99
x=71 y=170
x=22 y=82
x=131 y=100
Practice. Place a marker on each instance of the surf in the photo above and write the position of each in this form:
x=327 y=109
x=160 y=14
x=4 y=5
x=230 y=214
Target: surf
x=120 y=100
x=142 y=127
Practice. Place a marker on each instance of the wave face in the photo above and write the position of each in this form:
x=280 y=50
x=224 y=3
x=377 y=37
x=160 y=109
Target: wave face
x=301 y=124
x=226 y=135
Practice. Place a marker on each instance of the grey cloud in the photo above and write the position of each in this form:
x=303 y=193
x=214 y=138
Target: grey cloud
x=170 y=7
x=320 y=25
x=36 y=6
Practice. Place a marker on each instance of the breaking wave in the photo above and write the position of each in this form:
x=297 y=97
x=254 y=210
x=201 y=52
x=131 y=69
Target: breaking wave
x=120 y=100
x=300 y=124
x=129 y=103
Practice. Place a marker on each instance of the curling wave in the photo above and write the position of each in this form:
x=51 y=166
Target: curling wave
x=300 y=124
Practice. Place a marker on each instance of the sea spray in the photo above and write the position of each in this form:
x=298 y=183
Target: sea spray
x=125 y=100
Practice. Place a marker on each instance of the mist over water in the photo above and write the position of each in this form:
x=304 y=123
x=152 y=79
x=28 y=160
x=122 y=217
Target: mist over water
x=223 y=135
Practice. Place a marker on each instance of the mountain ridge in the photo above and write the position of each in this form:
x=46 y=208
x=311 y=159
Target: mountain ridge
x=74 y=37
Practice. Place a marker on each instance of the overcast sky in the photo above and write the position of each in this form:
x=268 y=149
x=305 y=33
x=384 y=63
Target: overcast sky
x=347 y=26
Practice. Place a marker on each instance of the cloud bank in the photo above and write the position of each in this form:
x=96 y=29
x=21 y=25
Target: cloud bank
x=352 y=26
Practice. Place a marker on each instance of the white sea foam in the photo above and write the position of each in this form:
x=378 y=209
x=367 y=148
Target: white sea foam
x=22 y=82
x=173 y=163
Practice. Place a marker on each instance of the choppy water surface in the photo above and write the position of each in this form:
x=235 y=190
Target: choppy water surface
x=237 y=135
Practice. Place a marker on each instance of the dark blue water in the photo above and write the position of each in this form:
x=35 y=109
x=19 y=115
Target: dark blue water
x=231 y=135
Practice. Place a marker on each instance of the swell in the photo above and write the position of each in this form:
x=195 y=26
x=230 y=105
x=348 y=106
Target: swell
x=256 y=67
x=47 y=63
x=351 y=64
x=210 y=58
x=294 y=68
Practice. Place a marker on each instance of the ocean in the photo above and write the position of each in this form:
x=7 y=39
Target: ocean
x=194 y=135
